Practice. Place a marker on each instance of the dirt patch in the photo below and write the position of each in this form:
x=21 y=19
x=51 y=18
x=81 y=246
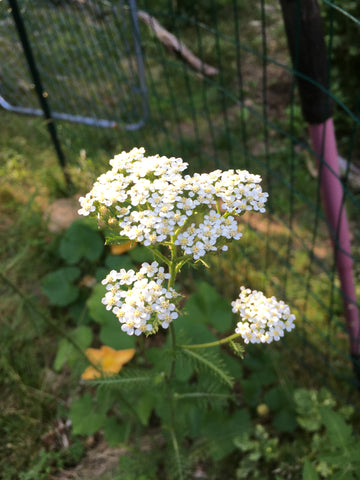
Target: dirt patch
x=62 y=213
x=99 y=460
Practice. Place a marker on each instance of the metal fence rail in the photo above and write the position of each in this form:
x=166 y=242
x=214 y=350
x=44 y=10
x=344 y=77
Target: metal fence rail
x=98 y=81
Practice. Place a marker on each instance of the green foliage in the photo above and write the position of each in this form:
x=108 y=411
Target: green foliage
x=308 y=407
x=59 y=286
x=342 y=33
x=97 y=310
x=295 y=422
x=89 y=423
x=220 y=430
x=257 y=447
x=210 y=362
x=208 y=307
x=309 y=472
x=67 y=353
x=47 y=463
x=280 y=401
x=146 y=469
x=141 y=254
x=110 y=333
x=323 y=444
x=81 y=241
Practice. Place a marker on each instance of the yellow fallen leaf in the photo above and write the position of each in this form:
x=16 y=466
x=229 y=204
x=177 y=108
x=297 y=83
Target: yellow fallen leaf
x=90 y=373
x=120 y=249
x=108 y=361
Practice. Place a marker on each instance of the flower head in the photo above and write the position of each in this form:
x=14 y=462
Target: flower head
x=140 y=301
x=152 y=202
x=263 y=319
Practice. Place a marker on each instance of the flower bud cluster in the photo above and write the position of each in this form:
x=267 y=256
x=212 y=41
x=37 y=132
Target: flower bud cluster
x=154 y=203
x=139 y=300
x=263 y=319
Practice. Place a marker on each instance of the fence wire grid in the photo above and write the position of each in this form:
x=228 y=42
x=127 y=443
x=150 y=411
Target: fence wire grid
x=214 y=82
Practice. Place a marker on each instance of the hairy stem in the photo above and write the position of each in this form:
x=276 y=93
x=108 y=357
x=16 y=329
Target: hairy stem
x=212 y=344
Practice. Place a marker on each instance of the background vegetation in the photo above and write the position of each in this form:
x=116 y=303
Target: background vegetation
x=296 y=407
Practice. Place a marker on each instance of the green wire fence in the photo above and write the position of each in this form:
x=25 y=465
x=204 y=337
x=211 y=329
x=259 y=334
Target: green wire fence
x=219 y=84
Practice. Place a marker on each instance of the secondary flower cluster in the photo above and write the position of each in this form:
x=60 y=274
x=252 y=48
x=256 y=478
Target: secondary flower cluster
x=263 y=319
x=152 y=202
x=139 y=300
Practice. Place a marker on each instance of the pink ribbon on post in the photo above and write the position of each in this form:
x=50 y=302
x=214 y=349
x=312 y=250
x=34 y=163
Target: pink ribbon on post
x=324 y=145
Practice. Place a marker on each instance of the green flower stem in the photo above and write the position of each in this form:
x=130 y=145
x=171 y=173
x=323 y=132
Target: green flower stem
x=182 y=262
x=212 y=344
x=172 y=403
x=173 y=344
x=171 y=283
x=160 y=256
x=205 y=395
x=218 y=207
x=177 y=454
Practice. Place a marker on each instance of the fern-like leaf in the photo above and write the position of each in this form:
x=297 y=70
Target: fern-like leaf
x=125 y=379
x=212 y=363
x=238 y=349
x=177 y=464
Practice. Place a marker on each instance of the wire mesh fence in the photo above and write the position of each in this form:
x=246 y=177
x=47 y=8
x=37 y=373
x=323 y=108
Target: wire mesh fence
x=216 y=83
x=88 y=59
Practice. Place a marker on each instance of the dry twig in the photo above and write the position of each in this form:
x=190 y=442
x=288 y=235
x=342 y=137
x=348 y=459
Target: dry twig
x=176 y=45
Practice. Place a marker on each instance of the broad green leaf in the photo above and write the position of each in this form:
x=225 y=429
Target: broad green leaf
x=117 y=262
x=101 y=273
x=59 y=286
x=233 y=365
x=193 y=417
x=85 y=421
x=252 y=391
x=115 y=433
x=285 y=421
x=340 y=434
x=277 y=398
x=160 y=359
x=79 y=312
x=207 y=306
x=309 y=472
x=97 y=310
x=112 y=335
x=105 y=399
x=195 y=332
x=144 y=406
x=81 y=241
x=141 y=254
x=67 y=353
x=221 y=431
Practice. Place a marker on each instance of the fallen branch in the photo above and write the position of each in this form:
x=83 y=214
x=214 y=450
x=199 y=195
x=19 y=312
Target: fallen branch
x=175 y=45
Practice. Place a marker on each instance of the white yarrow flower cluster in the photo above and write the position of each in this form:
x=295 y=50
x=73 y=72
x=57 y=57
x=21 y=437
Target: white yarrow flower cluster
x=139 y=300
x=263 y=319
x=152 y=202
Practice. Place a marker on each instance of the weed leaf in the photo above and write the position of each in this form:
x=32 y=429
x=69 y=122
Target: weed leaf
x=309 y=472
x=59 y=286
x=81 y=241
